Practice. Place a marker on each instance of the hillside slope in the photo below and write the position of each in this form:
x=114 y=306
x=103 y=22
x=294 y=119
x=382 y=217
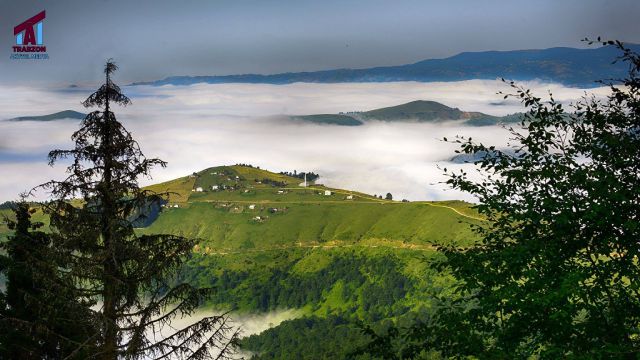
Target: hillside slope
x=424 y=111
x=236 y=208
x=330 y=119
x=339 y=257
x=262 y=237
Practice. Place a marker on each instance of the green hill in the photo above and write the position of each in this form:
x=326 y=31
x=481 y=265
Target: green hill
x=339 y=256
x=231 y=208
x=232 y=226
x=331 y=119
x=7 y=213
x=414 y=111
x=66 y=114
x=422 y=111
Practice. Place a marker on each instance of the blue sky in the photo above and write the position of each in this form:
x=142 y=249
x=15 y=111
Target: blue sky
x=155 y=39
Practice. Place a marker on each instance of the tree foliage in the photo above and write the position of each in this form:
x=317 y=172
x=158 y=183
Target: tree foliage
x=40 y=317
x=556 y=274
x=121 y=276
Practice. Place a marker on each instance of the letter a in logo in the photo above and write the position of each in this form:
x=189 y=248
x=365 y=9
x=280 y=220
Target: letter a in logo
x=26 y=34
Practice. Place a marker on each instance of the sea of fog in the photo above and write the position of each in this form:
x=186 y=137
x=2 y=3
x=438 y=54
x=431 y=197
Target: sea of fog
x=247 y=324
x=204 y=125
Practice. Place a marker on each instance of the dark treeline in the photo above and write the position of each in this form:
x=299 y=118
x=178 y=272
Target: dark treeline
x=248 y=165
x=331 y=337
x=274 y=183
x=311 y=176
x=8 y=205
x=281 y=287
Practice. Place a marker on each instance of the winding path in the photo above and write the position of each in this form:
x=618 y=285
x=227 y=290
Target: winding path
x=412 y=247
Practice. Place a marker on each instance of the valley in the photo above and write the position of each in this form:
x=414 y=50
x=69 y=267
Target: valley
x=333 y=257
x=266 y=243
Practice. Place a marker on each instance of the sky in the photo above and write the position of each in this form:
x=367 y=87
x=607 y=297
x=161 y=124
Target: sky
x=155 y=39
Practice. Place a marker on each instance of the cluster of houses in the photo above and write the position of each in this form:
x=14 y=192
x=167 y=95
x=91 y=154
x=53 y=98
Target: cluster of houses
x=219 y=187
x=262 y=218
x=279 y=192
x=226 y=205
x=170 y=206
x=216 y=188
x=222 y=187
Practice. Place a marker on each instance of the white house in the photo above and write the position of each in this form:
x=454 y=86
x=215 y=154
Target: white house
x=215 y=187
x=327 y=193
x=252 y=206
x=176 y=206
x=199 y=189
x=280 y=191
x=349 y=197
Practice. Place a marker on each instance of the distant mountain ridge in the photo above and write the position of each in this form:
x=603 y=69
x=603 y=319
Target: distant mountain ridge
x=414 y=111
x=66 y=114
x=567 y=66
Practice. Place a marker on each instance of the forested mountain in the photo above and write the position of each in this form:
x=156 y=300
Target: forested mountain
x=340 y=257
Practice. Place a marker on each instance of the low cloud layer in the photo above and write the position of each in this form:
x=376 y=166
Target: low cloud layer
x=199 y=126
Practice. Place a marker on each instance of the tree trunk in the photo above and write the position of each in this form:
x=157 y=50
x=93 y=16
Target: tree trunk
x=109 y=280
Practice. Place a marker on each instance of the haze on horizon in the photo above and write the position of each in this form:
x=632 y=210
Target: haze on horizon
x=155 y=39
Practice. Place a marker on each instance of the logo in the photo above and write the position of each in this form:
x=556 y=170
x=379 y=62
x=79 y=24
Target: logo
x=29 y=42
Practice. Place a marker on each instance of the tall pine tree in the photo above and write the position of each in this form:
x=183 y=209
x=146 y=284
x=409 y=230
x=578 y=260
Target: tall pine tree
x=126 y=276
